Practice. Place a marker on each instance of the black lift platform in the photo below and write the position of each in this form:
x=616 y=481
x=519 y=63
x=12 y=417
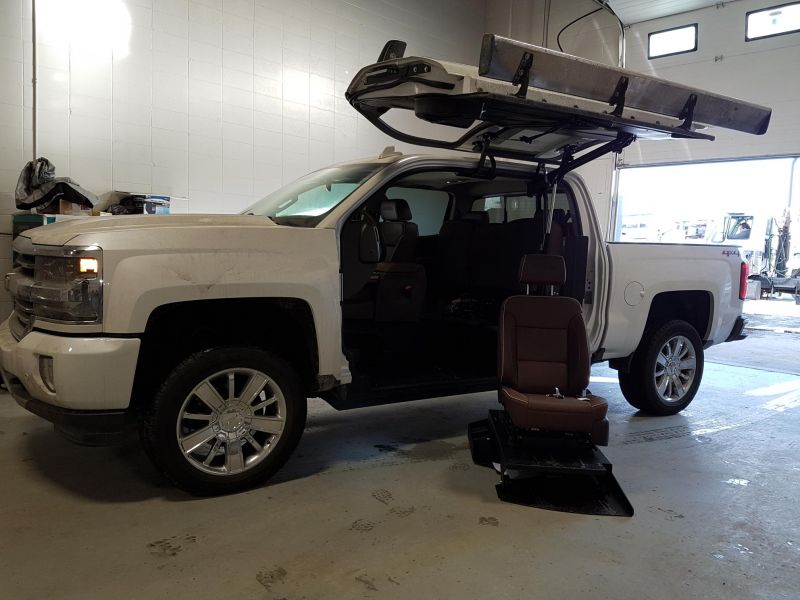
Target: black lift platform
x=566 y=472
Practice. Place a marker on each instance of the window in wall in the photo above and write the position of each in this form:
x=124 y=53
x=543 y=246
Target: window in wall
x=772 y=21
x=672 y=41
x=428 y=207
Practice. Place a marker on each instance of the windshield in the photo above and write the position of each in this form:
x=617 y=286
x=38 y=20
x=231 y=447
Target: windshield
x=305 y=202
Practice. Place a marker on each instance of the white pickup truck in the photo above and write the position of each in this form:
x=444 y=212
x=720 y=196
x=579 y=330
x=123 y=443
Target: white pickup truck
x=373 y=281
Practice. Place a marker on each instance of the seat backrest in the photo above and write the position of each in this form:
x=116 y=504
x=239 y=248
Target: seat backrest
x=483 y=254
x=518 y=238
x=399 y=234
x=453 y=247
x=542 y=341
x=355 y=273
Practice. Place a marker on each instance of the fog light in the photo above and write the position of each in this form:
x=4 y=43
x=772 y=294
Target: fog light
x=46 y=372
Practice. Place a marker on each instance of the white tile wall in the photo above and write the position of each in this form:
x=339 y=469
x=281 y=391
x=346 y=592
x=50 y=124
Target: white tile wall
x=219 y=101
x=12 y=112
x=15 y=47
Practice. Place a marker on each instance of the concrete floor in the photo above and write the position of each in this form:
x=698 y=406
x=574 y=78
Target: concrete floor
x=385 y=502
x=779 y=313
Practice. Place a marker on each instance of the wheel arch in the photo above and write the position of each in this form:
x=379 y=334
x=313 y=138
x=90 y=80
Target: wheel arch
x=283 y=326
x=693 y=306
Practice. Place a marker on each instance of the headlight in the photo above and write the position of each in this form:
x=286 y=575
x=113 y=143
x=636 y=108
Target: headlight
x=68 y=285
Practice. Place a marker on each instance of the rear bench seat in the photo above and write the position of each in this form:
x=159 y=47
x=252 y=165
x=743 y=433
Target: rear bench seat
x=474 y=253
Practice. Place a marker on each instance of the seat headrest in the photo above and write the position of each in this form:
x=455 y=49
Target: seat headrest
x=476 y=215
x=395 y=210
x=542 y=269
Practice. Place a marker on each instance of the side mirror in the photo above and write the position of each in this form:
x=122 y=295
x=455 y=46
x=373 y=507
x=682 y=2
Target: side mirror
x=369 y=244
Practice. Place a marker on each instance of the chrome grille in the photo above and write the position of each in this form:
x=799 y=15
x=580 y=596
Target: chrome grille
x=21 y=321
x=24 y=263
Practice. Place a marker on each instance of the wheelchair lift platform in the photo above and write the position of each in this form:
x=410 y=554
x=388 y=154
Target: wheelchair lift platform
x=563 y=472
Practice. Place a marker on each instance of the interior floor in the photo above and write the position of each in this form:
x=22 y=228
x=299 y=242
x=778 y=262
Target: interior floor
x=385 y=502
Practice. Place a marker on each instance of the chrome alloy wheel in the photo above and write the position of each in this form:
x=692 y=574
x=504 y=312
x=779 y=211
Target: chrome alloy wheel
x=231 y=421
x=676 y=365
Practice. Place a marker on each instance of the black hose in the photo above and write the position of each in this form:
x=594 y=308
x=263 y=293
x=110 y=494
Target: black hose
x=571 y=23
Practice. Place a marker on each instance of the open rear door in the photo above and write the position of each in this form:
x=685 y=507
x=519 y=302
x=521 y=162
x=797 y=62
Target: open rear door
x=529 y=103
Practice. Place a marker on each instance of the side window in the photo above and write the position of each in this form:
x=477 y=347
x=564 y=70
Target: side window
x=520 y=207
x=491 y=205
x=740 y=227
x=506 y=208
x=428 y=207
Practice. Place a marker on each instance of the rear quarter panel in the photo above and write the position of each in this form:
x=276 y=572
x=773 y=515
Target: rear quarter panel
x=639 y=272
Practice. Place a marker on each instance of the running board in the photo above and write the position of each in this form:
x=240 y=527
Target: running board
x=564 y=473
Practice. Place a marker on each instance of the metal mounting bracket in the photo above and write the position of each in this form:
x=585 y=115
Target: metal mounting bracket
x=568 y=163
x=480 y=169
x=522 y=77
x=392 y=50
x=687 y=112
x=617 y=99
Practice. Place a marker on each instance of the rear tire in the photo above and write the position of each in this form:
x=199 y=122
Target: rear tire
x=224 y=420
x=631 y=387
x=666 y=370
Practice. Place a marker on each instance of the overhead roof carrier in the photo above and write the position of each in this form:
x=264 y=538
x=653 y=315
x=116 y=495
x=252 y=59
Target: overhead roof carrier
x=530 y=103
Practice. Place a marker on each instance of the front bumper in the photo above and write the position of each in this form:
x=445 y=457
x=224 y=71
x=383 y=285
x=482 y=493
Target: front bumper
x=92 y=376
x=83 y=426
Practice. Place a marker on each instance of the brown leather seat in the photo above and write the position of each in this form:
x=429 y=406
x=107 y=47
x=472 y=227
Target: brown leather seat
x=543 y=347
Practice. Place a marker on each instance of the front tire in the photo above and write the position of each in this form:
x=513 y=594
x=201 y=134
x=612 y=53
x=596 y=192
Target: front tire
x=666 y=370
x=224 y=420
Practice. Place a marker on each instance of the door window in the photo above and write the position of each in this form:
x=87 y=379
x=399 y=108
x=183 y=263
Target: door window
x=740 y=227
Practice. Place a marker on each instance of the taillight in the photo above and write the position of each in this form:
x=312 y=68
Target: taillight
x=743 y=274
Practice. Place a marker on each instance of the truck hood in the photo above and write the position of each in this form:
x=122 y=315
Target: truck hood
x=59 y=234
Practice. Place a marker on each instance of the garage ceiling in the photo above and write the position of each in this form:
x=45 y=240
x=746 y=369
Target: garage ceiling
x=636 y=11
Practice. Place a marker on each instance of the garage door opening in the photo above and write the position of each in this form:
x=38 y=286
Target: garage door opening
x=694 y=203
x=753 y=204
